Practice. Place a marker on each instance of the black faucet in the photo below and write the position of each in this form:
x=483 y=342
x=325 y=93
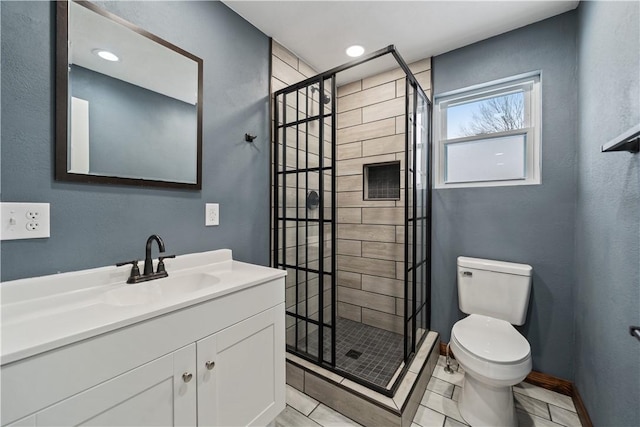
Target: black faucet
x=148 y=262
x=148 y=274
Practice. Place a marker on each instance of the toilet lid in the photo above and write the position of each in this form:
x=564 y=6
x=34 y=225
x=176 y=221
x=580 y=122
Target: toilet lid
x=491 y=339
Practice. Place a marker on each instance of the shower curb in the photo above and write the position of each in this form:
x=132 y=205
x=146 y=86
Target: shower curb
x=361 y=404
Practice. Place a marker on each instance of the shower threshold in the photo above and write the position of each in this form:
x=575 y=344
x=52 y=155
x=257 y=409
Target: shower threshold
x=360 y=403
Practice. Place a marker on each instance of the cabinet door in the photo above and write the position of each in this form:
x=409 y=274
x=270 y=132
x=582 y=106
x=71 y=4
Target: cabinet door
x=241 y=378
x=153 y=394
x=29 y=421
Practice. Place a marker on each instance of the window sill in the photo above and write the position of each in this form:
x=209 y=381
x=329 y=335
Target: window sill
x=510 y=183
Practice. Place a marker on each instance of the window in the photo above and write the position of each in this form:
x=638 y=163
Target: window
x=489 y=135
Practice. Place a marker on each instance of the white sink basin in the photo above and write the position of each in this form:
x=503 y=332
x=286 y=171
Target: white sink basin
x=155 y=291
x=129 y=295
x=188 y=283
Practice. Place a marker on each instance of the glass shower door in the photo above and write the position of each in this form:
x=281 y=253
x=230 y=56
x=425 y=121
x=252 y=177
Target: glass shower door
x=303 y=238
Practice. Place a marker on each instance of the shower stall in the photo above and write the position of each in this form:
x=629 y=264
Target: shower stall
x=351 y=217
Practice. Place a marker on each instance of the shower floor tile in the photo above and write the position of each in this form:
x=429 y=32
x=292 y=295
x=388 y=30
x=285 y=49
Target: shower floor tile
x=381 y=352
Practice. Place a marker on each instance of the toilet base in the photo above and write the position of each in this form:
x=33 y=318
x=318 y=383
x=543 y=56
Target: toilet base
x=481 y=404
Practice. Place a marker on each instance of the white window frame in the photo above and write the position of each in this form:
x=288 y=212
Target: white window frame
x=530 y=83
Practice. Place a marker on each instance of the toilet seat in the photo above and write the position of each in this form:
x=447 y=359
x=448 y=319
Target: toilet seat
x=491 y=350
x=492 y=340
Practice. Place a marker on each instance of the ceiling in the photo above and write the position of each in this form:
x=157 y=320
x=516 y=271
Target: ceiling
x=319 y=31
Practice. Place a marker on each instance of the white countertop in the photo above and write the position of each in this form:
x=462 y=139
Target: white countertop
x=43 y=313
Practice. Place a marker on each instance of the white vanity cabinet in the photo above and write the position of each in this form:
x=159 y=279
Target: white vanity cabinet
x=218 y=362
x=235 y=376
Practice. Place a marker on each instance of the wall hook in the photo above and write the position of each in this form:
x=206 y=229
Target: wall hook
x=249 y=138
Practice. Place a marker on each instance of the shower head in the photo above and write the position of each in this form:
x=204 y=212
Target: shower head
x=325 y=99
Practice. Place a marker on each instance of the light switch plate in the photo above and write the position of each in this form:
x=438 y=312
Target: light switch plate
x=211 y=214
x=24 y=221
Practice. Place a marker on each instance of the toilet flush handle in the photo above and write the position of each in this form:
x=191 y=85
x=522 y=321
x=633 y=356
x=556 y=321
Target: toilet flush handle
x=467 y=273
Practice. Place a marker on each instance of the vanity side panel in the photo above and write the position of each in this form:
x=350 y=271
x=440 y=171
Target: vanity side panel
x=45 y=379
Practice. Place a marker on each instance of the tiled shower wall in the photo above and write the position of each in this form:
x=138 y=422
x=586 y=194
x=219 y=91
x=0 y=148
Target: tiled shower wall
x=370 y=239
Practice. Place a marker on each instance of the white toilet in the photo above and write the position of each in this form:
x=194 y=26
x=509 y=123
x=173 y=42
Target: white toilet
x=493 y=354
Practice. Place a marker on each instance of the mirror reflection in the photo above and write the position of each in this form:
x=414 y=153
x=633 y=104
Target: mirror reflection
x=133 y=105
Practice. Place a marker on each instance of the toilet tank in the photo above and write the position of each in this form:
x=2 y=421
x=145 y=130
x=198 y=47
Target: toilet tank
x=494 y=288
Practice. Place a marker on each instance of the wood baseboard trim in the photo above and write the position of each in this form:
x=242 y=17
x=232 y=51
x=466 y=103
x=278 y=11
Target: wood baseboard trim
x=583 y=415
x=443 y=349
x=552 y=383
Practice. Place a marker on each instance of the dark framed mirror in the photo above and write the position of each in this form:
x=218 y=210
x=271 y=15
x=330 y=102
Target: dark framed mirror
x=128 y=103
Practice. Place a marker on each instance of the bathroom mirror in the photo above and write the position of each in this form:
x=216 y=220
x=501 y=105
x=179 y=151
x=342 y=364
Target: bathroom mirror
x=128 y=103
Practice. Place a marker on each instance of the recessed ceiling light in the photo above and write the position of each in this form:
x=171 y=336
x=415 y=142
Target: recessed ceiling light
x=355 y=51
x=106 y=55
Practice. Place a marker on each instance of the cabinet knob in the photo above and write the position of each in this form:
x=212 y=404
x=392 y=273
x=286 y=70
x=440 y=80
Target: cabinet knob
x=210 y=364
x=186 y=377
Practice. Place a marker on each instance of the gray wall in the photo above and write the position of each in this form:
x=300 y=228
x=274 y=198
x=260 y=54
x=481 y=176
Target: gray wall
x=135 y=132
x=607 y=291
x=526 y=224
x=96 y=225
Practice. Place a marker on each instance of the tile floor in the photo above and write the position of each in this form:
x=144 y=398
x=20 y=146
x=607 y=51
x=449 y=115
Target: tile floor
x=381 y=352
x=536 y=406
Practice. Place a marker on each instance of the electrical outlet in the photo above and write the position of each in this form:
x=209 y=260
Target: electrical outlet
x=24 y=221
x=32 y=214
x=33 y=226
x=211 y=214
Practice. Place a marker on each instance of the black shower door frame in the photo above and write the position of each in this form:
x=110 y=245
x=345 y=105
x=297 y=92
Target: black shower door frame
x=412 y=216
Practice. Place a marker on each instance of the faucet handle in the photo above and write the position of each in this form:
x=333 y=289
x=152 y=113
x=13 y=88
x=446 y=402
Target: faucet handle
x=135 y=271
x=161 y=268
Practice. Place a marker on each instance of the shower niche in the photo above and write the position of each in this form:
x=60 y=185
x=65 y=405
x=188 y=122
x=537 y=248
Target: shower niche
x=381 y=181
x=358 y=264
